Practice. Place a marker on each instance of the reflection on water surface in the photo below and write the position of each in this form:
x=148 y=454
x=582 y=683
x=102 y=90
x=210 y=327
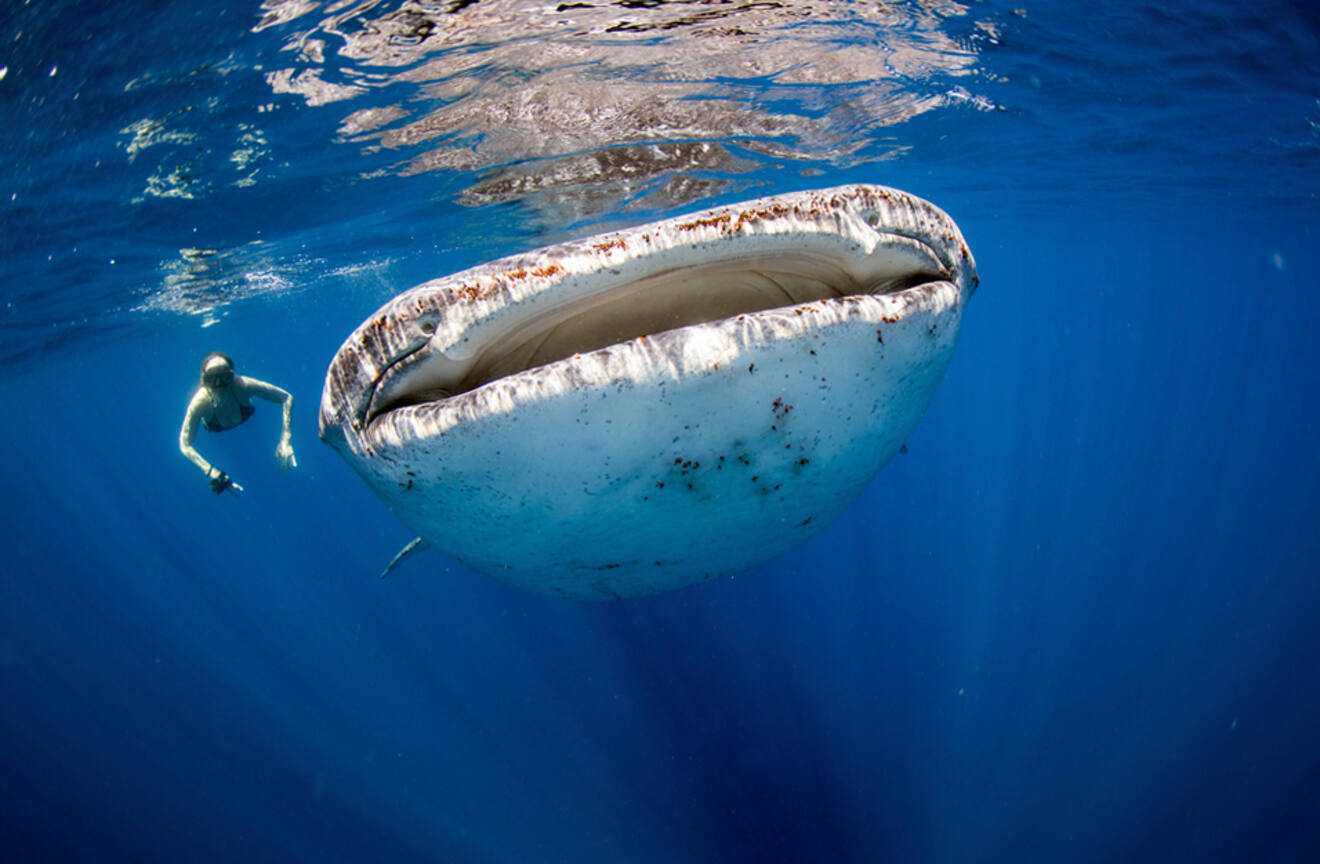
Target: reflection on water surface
x=586 y=107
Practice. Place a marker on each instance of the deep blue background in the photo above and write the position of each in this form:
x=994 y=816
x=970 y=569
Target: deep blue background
x=1075 y=623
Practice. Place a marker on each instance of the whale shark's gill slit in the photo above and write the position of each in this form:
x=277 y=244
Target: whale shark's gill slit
x=788 y=297
x=903 y=283
x=678 y=298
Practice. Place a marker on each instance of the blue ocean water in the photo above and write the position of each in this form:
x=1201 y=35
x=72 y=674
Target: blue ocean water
x=1076 y=622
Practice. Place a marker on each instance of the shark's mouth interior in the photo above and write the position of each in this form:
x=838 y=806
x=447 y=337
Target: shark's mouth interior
x=663 y=301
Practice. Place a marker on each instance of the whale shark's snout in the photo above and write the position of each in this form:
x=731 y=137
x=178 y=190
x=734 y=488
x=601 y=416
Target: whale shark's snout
x=643 y=409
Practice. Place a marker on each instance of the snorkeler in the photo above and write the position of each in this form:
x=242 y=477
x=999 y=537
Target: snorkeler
x=222 y=402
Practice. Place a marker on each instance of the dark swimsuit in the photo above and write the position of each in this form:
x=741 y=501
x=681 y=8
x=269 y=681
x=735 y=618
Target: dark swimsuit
x=213 y=425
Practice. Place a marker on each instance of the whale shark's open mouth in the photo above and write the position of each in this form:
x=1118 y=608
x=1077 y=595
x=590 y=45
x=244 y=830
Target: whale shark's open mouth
x=638 y=410
x=451 y=336
x=669 y=300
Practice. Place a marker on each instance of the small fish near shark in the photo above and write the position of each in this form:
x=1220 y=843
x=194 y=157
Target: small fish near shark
x=649 y=408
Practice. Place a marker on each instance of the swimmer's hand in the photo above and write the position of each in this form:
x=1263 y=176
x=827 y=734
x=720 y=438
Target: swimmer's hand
x=220 y=482
x=284 y=453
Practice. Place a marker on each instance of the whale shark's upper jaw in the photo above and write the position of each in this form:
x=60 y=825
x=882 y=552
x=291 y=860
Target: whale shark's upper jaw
x=450 y=336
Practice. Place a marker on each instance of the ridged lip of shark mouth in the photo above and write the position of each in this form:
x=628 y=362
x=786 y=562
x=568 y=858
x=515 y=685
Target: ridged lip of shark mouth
x=448 y=338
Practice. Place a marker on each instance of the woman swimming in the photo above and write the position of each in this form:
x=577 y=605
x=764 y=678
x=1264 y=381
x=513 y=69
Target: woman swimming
x=223 y=401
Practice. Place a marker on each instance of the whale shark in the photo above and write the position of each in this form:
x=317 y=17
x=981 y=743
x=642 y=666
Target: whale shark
x=653 y=407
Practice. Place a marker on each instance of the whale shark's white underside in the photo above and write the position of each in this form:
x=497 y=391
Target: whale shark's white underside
x=644 y=409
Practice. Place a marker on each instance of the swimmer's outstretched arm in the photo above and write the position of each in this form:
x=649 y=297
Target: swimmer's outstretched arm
x=188 y=434
x=271 y=393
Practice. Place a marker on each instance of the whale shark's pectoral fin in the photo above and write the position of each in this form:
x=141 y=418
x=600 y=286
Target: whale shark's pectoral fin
x=417 y=545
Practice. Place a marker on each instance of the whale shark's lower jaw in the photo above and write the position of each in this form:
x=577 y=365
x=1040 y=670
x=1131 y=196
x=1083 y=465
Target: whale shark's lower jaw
x=644 y=409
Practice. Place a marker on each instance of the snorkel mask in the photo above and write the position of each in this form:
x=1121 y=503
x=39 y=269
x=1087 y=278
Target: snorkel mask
x=217 y=371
